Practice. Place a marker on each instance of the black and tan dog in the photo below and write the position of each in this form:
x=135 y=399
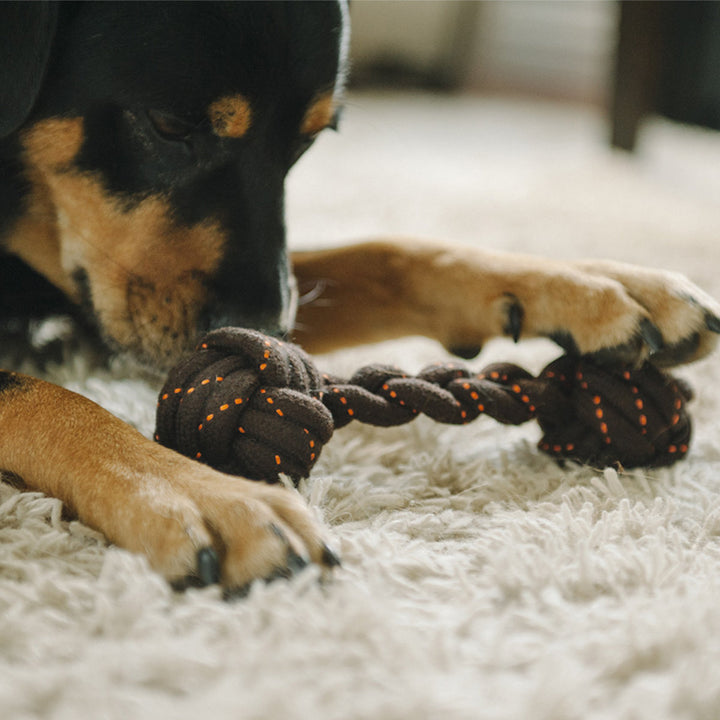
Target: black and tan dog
x=142 y=161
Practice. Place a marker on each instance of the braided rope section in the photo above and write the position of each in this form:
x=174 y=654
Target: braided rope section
x=250 y=405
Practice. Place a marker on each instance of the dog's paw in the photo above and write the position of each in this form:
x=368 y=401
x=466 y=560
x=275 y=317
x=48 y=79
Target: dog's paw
x=194 y=524
x=674 y=320
x=614 y=312
x=200 y=527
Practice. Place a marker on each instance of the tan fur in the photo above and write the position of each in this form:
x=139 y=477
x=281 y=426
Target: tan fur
x=230 y=116
x=144 y=497
x=459 y=296
x=318 y=116
x=55 y=142
x=35 y=239
x=146 y=273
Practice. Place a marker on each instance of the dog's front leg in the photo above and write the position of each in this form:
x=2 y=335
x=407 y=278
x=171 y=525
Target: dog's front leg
x=462 y=296
x=190 y=521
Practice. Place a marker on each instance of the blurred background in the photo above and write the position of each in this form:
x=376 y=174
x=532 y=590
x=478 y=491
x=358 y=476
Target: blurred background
x=558 y=49
x=633 y=58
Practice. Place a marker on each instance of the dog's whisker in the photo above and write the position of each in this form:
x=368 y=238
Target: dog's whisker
x=312 y=295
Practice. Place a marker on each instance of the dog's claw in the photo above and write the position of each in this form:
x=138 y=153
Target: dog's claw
x=207 y=571
x=236 y=593
x=565 y=341
x=208 y=566
x=295 y=562
x=652 y=336
x=280 y=533
x=329 y=557
x=515 y=316
x=712 y=322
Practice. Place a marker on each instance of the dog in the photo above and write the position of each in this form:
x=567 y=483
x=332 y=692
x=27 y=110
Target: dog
x=143 y=157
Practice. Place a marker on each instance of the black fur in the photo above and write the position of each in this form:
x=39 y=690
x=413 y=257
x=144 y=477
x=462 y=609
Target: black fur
x=8 y=381
x=113 y=63
x=27 y=32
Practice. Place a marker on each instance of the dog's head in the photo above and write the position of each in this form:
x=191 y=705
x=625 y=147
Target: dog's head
x=150 y=144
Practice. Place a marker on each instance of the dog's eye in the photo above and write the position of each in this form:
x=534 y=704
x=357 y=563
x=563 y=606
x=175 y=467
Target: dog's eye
x=170 y=127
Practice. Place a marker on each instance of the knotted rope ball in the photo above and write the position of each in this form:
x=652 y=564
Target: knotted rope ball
x=251 y=405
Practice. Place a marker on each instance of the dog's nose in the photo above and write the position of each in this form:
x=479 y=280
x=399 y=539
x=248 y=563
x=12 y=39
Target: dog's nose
x=271 y=323
x=253 y=295
x=268 y=306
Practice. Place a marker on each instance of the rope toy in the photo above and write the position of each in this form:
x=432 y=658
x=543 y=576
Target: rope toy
x=251 y=405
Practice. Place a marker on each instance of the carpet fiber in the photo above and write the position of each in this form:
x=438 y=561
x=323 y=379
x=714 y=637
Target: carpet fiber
x=479 y=579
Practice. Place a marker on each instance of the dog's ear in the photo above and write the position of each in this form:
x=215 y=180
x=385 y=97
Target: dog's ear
x=27 y=30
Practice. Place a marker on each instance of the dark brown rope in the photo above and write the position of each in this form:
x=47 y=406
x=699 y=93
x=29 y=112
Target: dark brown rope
x=250 y=405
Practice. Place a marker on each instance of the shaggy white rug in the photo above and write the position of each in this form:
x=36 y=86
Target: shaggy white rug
x=479 y=579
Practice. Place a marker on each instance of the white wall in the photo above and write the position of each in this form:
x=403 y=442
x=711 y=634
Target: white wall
x=550 y=47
